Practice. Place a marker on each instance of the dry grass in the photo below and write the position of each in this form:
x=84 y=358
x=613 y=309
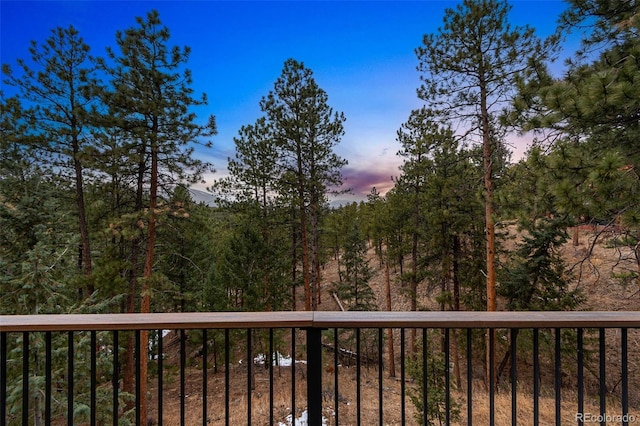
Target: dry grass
x=525 y=409
x=347 y=409
x=348 y=406
x=594 y=275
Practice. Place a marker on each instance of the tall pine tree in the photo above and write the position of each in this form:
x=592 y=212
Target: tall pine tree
x=305 y=129
x=59 y=82
x=151 y=99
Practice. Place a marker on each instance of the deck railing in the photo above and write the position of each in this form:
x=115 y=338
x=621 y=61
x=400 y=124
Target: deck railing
x=328 y=367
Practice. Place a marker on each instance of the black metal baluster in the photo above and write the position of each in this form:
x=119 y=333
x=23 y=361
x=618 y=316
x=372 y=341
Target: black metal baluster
x=183 y=366
x=469 y=378
x=249 y=373
x=402 y=377
x=3 y=377
x=226 y=377
x=314 y=376
x=603 y=377
x=47 y=378
x=94 y=344
x=25 y=378
x=492 y=376
x=336 y=389
x=115 y=382
x=447 y=379
x=580 y=376
x=380 y=413
x=205 y=380
x=293 y=375
x=514 y=378
x=270 y=358
x=160 y=376
x=70 y=381
x=536 y=377
x=625 y=376
x=557 y=376
x=358 y=378
x=425 y=399
x=138 y=383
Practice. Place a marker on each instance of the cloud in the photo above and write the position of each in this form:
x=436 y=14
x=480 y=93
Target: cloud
x=360 y=181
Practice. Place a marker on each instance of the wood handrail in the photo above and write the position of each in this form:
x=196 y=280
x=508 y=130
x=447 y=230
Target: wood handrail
x=478 y=319
x=157 y=321
x=320 y=319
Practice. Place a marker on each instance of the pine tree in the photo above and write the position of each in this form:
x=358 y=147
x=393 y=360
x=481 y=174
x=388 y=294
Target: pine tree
x=537 y=278
x=59 y=82
x=416 y=137
x=185 y=251
x=305 y=129
x=591 y=114
x=468 y=70
x=151 y=100
x=354 y=287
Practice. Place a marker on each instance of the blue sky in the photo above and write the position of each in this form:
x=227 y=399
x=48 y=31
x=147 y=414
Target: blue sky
x=361 y=53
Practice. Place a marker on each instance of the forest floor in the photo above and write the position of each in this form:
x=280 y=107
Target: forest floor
x=599 y=268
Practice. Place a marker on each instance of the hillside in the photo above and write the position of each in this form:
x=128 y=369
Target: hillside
x=594 y=274
x=602 y=269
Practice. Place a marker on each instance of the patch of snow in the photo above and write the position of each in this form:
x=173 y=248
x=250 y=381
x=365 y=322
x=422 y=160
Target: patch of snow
x=276 y=359
x=299 y=421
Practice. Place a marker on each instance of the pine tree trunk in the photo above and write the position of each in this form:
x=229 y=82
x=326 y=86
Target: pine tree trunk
x=314 y=254
x=145 y=305
x=487 y=150
x=456 y=306
x=414 y=271
x=265 y=240
x=305 y=260
x=85 y=246
x=129 y=365
x=294 y=267
x=390 y=347
x=305 y=246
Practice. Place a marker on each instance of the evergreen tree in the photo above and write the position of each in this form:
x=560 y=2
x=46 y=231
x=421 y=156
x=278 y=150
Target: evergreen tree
x=59 y=83
x=468 y=70
x=591 y=115
x=255 y=171
x=305 y=130
x=354 y=287
x=537 y=277
x=417 y=138
x=151 y=100
x=185 y=252
x=249 y=273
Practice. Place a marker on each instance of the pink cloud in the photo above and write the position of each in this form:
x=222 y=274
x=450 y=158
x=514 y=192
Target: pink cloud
x=361 y=181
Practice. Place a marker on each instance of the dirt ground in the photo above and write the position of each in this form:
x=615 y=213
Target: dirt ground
x=599 y=268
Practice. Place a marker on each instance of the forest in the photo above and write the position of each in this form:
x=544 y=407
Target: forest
x=97 y=162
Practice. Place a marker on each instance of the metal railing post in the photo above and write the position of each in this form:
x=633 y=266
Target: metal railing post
x=314 y=376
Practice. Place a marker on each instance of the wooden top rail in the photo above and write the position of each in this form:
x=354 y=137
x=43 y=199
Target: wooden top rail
x=166 y=321
x=478 y=319
x=324 y=319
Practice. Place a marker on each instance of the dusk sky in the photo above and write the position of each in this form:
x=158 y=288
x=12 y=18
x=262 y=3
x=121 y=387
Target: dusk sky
x=361 y=53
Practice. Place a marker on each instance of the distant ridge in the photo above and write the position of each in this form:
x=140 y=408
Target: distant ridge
x=202 y=197
x=209 y=200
